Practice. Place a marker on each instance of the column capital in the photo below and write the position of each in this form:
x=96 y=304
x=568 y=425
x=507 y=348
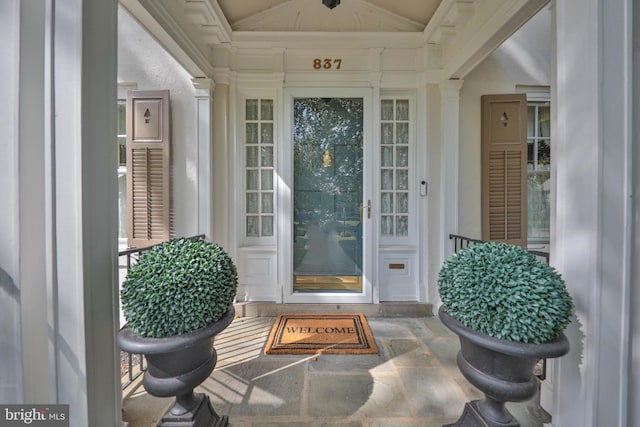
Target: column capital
x=450 y=88
x=204 y=86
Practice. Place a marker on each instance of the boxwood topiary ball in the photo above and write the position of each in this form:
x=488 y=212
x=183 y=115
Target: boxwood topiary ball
x=505 y=292
x=178 y=287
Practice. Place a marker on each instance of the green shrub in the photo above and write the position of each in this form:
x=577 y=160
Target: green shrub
x=506 y=292
x=177 y=287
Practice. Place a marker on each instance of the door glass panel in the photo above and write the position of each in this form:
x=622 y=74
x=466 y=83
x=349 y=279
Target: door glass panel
x=402 y=225
x=402 y=179
x=267 y=202
x=267 y=109
x=402 y=156
x=267 y=156
x=252 y=157
x=387 y=156
x=402 y=202
x=402 y=136
x=252 y=133
x=387 y=225
x=387 y=202
x=267 y=180
x=328 y=193
x=267 y=133
x=267 y=226
x=387 y=109
x=252 y=203
x=252 y=109
x=402 y=112
x=252 y=180
x=387 y=179
x=387 y=133
x=253 y=227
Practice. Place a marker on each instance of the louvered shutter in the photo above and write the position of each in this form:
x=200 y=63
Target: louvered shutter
x=148 y=162
x=504 y=168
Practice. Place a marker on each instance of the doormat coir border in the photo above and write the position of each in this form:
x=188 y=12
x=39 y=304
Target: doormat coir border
x=321 y=333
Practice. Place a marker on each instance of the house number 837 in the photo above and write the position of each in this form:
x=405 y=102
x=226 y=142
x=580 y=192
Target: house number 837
x=326 y=64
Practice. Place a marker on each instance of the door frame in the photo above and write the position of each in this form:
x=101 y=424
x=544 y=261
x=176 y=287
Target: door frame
x=285 y=202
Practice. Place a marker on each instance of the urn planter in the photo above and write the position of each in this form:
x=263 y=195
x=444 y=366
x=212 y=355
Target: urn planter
x=175 y=366
x=503 y=370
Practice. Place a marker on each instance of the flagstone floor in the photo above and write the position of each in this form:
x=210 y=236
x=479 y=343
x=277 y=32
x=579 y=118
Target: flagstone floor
x=414 y=381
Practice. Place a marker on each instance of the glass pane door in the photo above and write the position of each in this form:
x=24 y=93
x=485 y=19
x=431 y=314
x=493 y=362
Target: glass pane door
x=328 y=194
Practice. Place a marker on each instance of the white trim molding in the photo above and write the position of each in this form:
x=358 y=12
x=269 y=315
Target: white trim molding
x=450 y=113
x=204 y=126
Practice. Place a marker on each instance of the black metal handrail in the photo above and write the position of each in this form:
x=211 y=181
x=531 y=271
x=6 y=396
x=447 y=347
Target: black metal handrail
x=460 y=242
x=129 y=360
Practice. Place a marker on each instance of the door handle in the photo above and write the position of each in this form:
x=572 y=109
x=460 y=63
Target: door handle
x=369 y=209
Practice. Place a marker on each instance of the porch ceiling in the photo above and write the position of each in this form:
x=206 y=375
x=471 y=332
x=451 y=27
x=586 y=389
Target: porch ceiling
x=312 y=15
x=465 y=31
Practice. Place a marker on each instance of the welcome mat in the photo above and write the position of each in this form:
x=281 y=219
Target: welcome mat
x=321 y=333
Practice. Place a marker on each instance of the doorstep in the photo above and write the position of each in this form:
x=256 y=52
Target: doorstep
x=385 y=309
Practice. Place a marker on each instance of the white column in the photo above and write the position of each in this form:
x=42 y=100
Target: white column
x=222 y=180
x=204 y=133
x=86 y=209
x=450 y=148
x=11 y=388
x=59 y=255
x=34 y=277
x=634 y=334
x=594 y=236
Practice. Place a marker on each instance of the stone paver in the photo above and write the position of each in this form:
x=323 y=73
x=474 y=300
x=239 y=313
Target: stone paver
x=414 y=381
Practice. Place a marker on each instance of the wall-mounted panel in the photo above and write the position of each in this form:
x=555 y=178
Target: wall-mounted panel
x=257 y=270
x=398 y=275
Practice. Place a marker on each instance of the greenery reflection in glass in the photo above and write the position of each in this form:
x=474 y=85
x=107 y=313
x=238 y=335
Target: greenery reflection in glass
x=328 y=192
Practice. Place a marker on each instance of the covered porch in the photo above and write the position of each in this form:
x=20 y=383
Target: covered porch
x=414 y=381
x=414 y=65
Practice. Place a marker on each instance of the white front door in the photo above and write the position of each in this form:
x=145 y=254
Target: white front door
x=327 y=145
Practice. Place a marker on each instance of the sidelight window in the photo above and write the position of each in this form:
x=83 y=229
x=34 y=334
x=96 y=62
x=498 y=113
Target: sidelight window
x=394 y=167
x=259 y=168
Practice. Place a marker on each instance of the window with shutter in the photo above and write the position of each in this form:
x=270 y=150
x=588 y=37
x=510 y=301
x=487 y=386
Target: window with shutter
x=148 y=160
x=539 y=171
x=504 y=168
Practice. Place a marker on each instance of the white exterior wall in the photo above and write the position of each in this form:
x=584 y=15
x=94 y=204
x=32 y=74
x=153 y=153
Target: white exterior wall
x=523 y=59
x=145 y=65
